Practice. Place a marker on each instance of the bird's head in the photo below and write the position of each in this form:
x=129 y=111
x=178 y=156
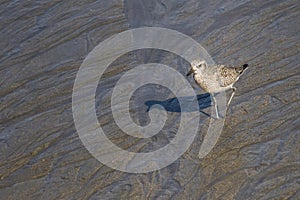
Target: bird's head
x=196 y=65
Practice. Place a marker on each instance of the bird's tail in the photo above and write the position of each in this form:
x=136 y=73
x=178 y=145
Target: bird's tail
x=245 y=66
x=241 y=69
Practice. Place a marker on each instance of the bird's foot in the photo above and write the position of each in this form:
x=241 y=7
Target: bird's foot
x=217 y=116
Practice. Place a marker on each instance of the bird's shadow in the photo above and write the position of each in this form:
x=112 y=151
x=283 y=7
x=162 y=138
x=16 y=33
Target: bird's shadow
x=173 y=104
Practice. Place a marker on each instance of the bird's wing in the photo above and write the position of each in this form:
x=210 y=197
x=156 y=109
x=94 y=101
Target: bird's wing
x=227 y=75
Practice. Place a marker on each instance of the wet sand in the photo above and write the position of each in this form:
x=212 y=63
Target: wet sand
x=43 y=44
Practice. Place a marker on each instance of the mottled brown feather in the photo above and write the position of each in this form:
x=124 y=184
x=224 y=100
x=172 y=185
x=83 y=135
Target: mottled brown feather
x=227 y=75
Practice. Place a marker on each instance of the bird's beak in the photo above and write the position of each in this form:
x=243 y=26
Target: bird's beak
x=190 y=72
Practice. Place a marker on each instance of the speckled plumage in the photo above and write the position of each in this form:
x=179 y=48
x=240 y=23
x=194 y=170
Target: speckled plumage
x=216 y=78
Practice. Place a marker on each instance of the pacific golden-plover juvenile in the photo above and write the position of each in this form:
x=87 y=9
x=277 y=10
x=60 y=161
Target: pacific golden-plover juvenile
x=216 y=78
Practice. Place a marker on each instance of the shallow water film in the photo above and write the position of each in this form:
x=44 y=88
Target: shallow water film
x=43 y=156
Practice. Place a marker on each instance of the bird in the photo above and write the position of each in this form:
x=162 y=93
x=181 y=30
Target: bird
x=216 y=78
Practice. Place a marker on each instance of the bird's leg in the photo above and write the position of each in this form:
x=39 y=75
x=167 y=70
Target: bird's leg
x=232 y=94
x=216 y=106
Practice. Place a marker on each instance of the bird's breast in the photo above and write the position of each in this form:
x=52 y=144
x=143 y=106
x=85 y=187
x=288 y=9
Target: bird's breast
x=201 y=82
x=208 y=83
